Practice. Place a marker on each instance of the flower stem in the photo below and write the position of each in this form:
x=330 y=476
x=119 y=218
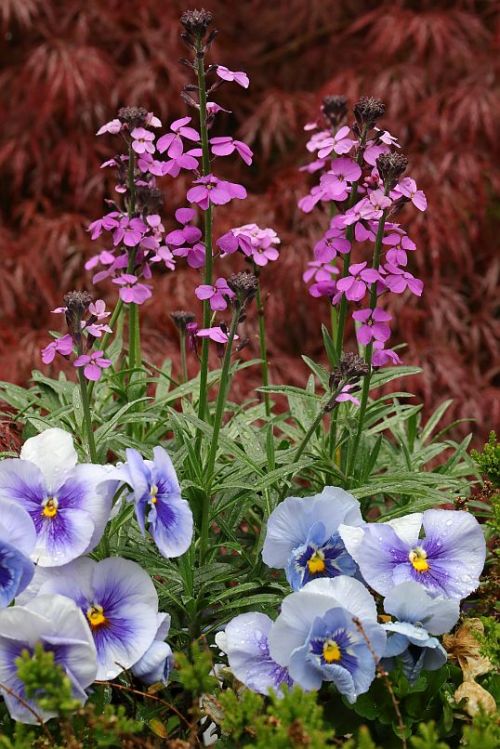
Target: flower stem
x=87 y=417
x=205 y=169
x=369 y=348
x=214 y=443
x=182 y=346
x=263 y=346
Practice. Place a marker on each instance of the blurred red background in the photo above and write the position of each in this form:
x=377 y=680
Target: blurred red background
x=67 y=65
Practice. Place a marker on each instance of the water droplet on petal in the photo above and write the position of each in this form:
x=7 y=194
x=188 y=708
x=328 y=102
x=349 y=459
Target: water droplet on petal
x=449 y=522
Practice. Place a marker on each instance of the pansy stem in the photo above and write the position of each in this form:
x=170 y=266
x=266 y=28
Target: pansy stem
x=214 y=443
x=87 y=417
x=369 y=349
x=205 y=169
x=263 y=346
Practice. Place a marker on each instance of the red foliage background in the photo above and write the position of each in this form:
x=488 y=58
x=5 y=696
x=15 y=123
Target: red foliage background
x=66 y=65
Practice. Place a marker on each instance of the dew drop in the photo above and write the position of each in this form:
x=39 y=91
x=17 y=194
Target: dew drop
x=449 y=522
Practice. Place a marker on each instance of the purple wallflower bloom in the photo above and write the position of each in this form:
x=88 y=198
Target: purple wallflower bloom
x=446 y=561
x=17 y=541
x=56 y=623
x=336 y=182
x=130 y=231
x=355 y=284
x=142 y=140
x=69 y=504
x=419 y=617
x=218 y=293
x=210 y=189
x=316 y=637
x=373 y=325
x=94 y=363
x=245 y=642
x=113 y=127
x=120 y=604
x=398 y=280
x=399 y=244
x=238 y=76
x=186 y=161
x=340 y=143
x=302 y=537
x=216 y=334
x=131 y=290
x=408 y=188
x=225 y=145
x=157 y=496
x=63 y=345
x=172 y=142
x=155 y=665
x=382 y=356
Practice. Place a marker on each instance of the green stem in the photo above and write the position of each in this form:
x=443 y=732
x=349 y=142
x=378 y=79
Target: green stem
x=182 y=346
x=369 y=349
x=214 y=443
x=205 y=170
x=263 y=347
x=87 y=417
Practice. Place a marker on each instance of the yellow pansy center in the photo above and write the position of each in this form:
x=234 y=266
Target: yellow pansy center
x=95 y=615
x=316 y=563
x=50 y=507
x=331 y=651
x=152 y=494
x=418 y=558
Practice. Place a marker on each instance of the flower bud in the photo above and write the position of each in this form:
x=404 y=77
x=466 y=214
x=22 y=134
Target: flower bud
x=368 y=110
x=133 y=116
x=391 y=166
x=181 y=318
x=351 y=367
x=334 y=109
x=244 y=286
x=77 y=303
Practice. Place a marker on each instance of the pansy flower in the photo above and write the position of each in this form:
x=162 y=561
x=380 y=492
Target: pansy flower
x=302 y=538
x=245 y=642
x=59 y=626
x=318 y=636
x=69 y=503
x=412 y=637
x=442 y=550
x=156 y=494
x=120 y=604
x=17 y=541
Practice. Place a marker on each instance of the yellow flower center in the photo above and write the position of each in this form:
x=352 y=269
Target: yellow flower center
x=316 y=563
x=152 y=494
x=50 y=508
x=331 y=651
x=95 y=615
x=418 y=558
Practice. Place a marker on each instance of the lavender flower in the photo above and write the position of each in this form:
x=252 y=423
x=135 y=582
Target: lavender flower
x=446 y=561
x=317 y=636
x=302 y=538
x=58 y=624
x=120 y=604
x=245 y=641
x=156 y=494
x=69 y=504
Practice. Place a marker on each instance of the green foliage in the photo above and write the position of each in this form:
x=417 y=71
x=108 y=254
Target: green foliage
x=488 y=460
x=193 y=670
x=288 y=722
x=45 y=682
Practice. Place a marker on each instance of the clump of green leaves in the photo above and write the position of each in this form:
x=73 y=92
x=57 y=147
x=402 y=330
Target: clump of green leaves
x=288 y=722
x=488 y=460
x=193 y=669
x=45 y=681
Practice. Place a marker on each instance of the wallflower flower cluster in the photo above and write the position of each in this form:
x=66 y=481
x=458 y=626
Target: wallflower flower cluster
x=328 y=629
x=362 y=187
x=98 y=618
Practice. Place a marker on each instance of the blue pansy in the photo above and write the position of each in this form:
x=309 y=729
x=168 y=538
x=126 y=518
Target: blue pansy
x=328 y=631
x=17 y=540
x=411 y=639
x=302 y=537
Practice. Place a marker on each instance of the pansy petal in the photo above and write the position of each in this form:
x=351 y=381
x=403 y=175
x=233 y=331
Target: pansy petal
x=54 y=453
x=16 y=527
x=62 y=538
x=172 y=529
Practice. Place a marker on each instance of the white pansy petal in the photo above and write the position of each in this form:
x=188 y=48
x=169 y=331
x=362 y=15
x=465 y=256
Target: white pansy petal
x=54 y=453
x=349 y=593
x=16 y=527
x=352 y=537
x=408 y=527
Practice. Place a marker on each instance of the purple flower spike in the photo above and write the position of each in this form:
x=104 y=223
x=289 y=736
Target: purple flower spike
x=446 y=561
x=245 y=641
x=69 y=504
x=93 y=364
x=156 y=493
x=238 y=77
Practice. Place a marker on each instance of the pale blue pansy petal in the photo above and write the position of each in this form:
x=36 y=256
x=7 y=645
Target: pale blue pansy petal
x=139 y=473
x=100 y=485
x=22 y=482
x=413 y=634
x=303 y=672
x=54 y=454
x=16 y=527
x=352 y=537
x=164 y=468
x=155 y=665
x=349 y=593
x=63 y=537
x=379 y=556
x=16 y=572
x=409 y=602
x=289 y=524
x=395 y=645
x=344 y=682
x=172 y=526
x=163 y=621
